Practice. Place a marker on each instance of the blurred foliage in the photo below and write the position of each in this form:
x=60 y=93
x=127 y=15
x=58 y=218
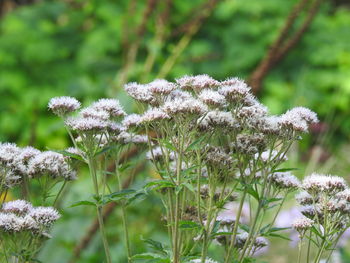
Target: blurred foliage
x=75 y=48
x=78 y=48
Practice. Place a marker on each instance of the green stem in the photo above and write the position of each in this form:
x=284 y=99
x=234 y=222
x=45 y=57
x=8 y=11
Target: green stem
x=177 y=205
x=299 y=249
x=99 y=210
x=125 y=224
x=319 y=254
x=207 y=228
x=59 y=192
x=234 y=232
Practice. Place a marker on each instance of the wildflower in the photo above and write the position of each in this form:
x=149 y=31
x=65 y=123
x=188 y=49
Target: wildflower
x=234 y=89
x=126 y=137
x=216 y=156
x=303 y=223
x=86 y=124
x=344 y=195
x=114 y=128
x=45 y=216
x=218 y=119
x=311 y=211
x=323 y=183
x=185 y=106
x=161 y=86
x=197 y=83
x=111 y=106
x=212 y=98
x=10 y=222
x=304 y=198
x=249 y=143
x=8 y=153
x=62 y=106
x=269 y=125
x=93 y=113
x=153 y=115
x=252 y=113
x=52 y=164
x=140 y=92
x=178 y=94
x=298 y=119
x=131 y=120
x=18 y=207
x=284 y=180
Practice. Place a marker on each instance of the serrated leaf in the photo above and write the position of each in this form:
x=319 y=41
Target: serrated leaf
x=155 y=245
x=159 y=184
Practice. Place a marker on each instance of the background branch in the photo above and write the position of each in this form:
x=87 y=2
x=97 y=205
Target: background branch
x=283 y=44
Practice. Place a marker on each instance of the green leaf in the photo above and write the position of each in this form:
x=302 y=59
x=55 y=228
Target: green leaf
x=155 y=245
x=71 y=155
x=168 y=145
x=251 y=191
x=222 y=234
x=279 y=236
x=189 y=225
x=81 y=203
x=139 y=196
x=159 y=184
x=196 y=144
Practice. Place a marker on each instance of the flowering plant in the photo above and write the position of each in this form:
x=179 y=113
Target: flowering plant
x=215 y=148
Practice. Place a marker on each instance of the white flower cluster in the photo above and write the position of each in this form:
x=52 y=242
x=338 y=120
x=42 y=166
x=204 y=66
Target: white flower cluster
x=302 y=223
x=19 y=215
x=100 y=122
x=16 y=162
x=325 y=201
x=216 y=103
x=52 y=164
x=284 y=180
x=324 y=183
x=63 y=105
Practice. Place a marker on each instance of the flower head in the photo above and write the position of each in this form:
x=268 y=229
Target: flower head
x=197 y=83
x=52 y=164
x=323 y=183
x=111 y=106
x=161 y=86
x=212 y=98
x=44 y=215
x=18 y=207
x=139 y=92
x=298 y=119
x=285 y=180
x=62 y=106
x=302 y=223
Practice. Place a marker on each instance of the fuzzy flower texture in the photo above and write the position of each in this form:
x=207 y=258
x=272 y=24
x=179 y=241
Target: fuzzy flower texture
x=16 y=162
x=20 y=216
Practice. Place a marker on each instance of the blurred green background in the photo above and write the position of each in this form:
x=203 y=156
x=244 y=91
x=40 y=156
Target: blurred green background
x=89 y=48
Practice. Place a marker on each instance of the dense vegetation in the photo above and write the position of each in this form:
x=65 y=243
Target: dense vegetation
x=89 y=49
